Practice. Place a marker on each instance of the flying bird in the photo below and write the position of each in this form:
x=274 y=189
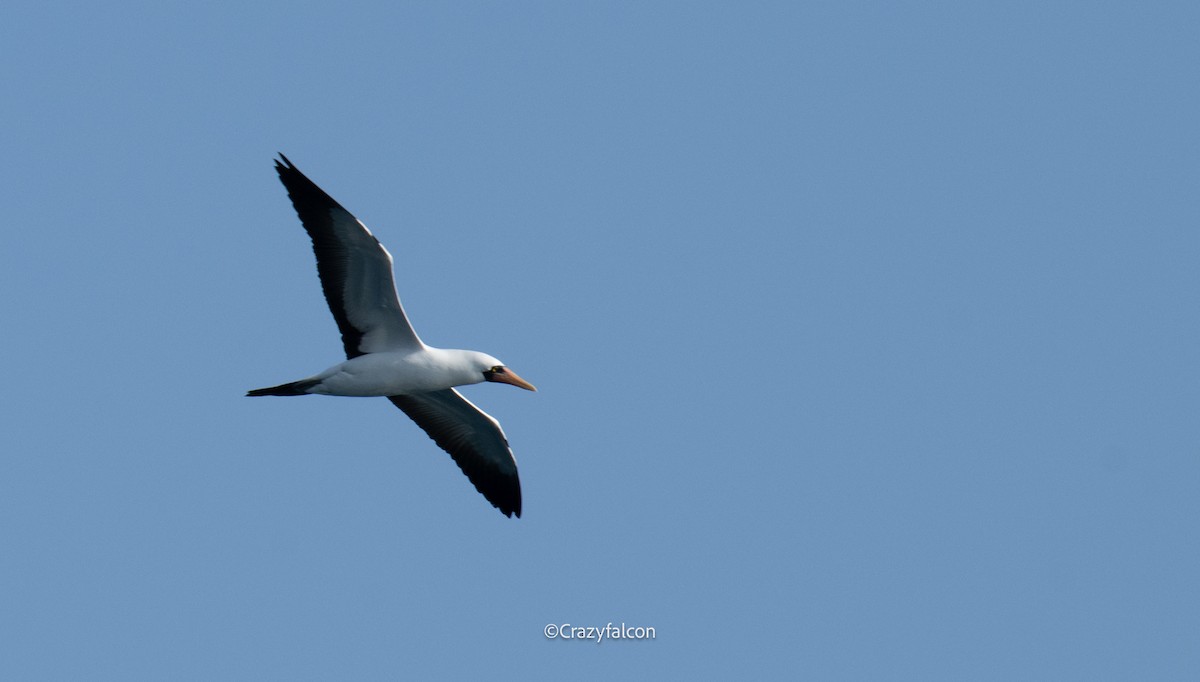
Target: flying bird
x=385 y=357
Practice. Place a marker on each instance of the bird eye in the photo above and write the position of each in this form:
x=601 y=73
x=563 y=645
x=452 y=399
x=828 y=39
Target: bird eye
x=498 y=369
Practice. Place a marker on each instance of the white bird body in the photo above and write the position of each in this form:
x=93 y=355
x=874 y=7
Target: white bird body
x=385 y=357
x=391 y=373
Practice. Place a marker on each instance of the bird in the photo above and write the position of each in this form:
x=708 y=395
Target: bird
x=384 y=355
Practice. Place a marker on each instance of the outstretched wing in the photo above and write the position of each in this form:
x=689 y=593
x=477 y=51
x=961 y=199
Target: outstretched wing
x=355 y=270
x=473 y=438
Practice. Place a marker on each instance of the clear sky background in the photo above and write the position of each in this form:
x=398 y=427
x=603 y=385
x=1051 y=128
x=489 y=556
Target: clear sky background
x=866 y=337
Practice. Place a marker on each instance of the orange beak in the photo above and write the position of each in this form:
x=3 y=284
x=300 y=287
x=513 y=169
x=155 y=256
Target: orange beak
x=510 y=377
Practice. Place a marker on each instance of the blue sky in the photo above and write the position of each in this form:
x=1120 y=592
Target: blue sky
x=865 y=333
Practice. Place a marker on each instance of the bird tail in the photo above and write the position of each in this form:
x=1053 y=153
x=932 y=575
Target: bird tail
x=293 y=388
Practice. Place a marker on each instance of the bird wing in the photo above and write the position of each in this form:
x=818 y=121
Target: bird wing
x=355 y=270
x=473 y=438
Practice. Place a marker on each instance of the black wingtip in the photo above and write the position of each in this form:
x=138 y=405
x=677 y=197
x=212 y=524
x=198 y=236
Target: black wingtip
x=507 y=501
x=305 y=194
x=506 y=507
